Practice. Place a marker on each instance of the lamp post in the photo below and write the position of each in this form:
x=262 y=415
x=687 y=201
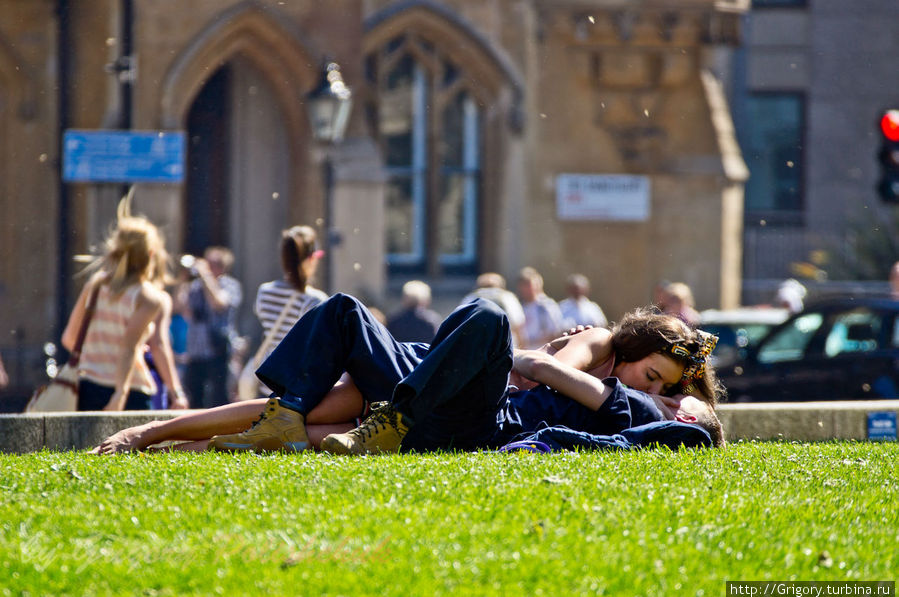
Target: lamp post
x=328 y=107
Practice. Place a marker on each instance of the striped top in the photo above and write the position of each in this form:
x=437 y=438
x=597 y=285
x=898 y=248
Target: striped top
x=270 y=301
x=103 y=344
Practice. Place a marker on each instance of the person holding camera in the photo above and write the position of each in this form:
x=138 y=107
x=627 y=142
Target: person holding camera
x=209 y=301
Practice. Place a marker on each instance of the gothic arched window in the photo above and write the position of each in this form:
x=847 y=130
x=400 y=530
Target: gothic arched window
x=428 y=124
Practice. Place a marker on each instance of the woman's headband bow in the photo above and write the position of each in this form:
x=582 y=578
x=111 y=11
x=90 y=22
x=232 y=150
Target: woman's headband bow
x=697 y=358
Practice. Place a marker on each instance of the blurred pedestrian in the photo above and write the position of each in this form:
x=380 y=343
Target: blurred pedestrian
x=790 y=295
x=492 y=287
x=178 y=325
x=658 y=291
x=415 y=321
x=210 y=300
x=280 y=303
x=131 y=311
x=4 y=377
x=578 y=309
x=894 y=281
x=299 y=261
x=542 y=318
x=676 y=299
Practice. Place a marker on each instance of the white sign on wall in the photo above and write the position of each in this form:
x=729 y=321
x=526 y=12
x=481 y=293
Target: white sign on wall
x=620 y=197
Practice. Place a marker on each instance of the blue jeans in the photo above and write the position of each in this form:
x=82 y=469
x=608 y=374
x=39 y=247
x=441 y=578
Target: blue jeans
x=451 y=389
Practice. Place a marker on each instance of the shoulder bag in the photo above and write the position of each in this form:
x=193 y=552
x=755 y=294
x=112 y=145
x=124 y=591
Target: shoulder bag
x=248 y=383
x=61 y=394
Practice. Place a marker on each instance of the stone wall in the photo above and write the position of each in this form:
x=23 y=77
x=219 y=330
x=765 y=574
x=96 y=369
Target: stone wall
x=810 y=421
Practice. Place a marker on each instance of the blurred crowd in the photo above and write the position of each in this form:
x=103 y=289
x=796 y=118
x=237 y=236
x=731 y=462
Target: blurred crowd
x=157 y=340
x=214 y=375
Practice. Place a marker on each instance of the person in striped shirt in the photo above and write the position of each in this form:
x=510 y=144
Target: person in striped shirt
x=132 y=311
x=299 y=260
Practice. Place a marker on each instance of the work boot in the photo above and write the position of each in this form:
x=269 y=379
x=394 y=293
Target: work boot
x=382 y=432
x=278 y=428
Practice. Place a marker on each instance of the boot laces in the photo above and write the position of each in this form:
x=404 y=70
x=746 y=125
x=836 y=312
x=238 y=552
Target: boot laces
x=269 y=409
x=376 y=422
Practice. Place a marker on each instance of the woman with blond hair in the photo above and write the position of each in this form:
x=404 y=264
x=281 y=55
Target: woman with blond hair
x=131 y=311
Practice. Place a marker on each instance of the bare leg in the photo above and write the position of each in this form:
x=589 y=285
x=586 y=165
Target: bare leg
x=342 y=405
x=316 y=434
x=196 y=425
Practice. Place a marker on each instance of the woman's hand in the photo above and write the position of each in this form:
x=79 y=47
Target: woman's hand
x=201 y=266
x=577 y=330
x=179 y=402
x=117 y=402
x=520 y=382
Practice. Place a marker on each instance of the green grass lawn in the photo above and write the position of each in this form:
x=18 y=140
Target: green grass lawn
x=627 y=523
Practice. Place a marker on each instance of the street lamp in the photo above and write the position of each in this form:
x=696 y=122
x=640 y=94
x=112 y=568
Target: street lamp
x=329 y=106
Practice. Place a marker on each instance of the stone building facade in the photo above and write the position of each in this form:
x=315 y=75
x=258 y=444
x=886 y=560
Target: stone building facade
x=466 y=117
x=810 y=81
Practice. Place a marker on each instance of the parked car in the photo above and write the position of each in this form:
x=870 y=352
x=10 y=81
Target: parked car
x=841 y=348
x=738 y=330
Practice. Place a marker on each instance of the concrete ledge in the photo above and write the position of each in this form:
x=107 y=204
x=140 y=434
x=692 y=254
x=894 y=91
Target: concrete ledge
x=23 y=433
x=801 y=421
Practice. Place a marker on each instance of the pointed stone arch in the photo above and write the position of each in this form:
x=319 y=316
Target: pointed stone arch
x=289 y=62
x=488 y=70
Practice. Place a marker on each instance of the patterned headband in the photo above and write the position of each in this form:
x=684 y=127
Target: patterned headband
x=697 y=359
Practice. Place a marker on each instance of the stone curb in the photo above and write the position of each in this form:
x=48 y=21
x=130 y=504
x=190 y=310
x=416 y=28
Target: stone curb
x=802 y=421
x=788 y=421
x=24 y=433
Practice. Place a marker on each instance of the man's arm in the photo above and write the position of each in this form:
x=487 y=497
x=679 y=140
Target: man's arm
x=216 y=295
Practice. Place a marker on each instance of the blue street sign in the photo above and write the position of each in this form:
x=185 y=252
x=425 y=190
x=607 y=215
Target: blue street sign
x=123 y=156
x=882 y=425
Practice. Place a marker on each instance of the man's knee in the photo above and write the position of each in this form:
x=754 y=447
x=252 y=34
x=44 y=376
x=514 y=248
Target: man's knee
x=484 y=310
x=484 y=316
x=342 y=303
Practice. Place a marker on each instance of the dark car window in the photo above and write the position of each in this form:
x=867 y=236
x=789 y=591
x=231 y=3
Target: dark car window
x=789 y=343
x=856 y=331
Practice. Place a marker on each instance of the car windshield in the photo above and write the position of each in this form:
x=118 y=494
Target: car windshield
x=790 y=342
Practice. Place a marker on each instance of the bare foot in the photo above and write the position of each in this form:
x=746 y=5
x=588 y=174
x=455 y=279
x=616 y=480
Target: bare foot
x=126 y=440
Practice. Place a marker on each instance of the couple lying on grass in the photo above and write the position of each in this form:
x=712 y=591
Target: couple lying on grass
x=466 y=390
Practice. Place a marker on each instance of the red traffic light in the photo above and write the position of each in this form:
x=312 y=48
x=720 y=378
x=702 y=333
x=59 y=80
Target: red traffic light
x=889 y=124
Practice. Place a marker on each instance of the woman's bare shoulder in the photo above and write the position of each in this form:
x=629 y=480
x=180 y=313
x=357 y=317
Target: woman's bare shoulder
x=152 y=295
x=593 y=337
